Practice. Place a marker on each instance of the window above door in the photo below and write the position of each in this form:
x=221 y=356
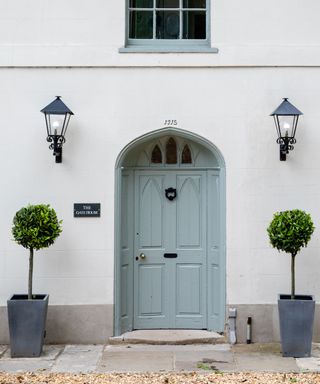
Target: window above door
x=170 y=151
x=168 y=26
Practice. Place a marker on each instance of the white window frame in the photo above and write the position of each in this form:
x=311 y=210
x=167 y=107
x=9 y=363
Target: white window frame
x=170 y=45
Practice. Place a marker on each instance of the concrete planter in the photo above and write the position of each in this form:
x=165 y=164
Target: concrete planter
x=27 y=320
x=296 y=324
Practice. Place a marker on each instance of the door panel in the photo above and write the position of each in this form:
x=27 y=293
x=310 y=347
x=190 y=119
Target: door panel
x=151 y=297
x=188 y=289
x=124 y=290
x=188 y=211
x=151 y=212
x=170 y=292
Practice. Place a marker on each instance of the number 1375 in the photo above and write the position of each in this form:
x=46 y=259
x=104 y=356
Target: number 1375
x=171 y=122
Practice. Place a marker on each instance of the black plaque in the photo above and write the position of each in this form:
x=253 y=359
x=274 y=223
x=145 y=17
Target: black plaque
x=86 y=210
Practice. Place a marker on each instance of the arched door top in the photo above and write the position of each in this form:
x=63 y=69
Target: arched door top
x=139 y=151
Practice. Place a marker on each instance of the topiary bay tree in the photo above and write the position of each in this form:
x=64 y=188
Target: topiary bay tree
x=35 y=227
x=289 y=231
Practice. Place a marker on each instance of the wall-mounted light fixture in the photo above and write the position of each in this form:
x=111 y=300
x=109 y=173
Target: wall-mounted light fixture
x=57 y=116
x=286 y=120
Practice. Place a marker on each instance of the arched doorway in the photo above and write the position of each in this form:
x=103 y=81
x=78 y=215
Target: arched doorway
x=170 y=233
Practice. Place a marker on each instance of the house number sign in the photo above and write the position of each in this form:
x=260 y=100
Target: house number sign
x=86 y=210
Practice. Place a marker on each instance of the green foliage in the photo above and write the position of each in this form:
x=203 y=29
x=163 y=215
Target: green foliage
x=207 y=367
x=289 y=231
x=36 y=226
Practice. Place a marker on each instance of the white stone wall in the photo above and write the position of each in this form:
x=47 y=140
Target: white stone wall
x=267 y=50
x=89 y=33
x=230 y=107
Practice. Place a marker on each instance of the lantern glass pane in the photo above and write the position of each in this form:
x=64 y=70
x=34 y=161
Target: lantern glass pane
x=286 y=126
x=56 y=124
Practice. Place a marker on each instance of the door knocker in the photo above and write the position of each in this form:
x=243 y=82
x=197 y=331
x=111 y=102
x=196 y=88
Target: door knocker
x=171 y=193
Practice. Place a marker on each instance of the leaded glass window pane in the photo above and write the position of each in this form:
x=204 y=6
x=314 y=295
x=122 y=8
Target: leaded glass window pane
x=168 y=25
x=141 y=25
x=186 y=155
x=167 y=3
x=194 y=3
x=141 y=4
x=194 y=25
x=156 y=156
x=171 y=151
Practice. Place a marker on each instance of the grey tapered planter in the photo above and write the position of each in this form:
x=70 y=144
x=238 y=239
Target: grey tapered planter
x=296 y=324
x=27 y=321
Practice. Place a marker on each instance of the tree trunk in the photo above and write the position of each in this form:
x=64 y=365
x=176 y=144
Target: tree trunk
x=30 y=274
x=293 y=283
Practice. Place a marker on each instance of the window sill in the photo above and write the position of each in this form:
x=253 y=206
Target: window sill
x=153 y=49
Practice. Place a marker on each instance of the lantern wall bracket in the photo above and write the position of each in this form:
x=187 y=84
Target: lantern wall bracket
x=285 y=145
x=56 y=145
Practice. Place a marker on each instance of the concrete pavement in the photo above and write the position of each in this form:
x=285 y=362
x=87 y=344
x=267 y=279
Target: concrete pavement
x=160 y=358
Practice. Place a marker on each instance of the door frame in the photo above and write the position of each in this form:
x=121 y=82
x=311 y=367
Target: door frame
x=117 y=217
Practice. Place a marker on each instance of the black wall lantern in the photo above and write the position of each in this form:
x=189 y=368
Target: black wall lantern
x=286 y=120
x=57 y=116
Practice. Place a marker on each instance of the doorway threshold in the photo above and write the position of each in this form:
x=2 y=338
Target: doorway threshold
x=168 y=337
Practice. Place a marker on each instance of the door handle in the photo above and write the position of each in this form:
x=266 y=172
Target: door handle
x=142 y=256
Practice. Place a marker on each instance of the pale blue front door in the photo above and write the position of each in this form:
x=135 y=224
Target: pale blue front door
x=170 y=250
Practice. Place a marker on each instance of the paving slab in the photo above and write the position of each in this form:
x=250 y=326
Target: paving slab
x=26 y=366
x=307 y=364
x=160 y=358
x=33 y=364
x=168 y=337
x=262 y=358
x=312 y=363
x=136 y=361
x=214 y=361
x=137 y=358
x=265 y=363
x=78 y=358
x=199 y=356
x=49 y=352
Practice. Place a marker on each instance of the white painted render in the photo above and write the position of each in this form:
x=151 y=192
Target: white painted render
x=89 y=33
x=267 y=50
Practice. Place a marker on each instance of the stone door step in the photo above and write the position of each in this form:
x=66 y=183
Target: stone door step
x=168 y=337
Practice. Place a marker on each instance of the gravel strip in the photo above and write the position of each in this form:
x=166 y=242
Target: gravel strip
x=168 y=378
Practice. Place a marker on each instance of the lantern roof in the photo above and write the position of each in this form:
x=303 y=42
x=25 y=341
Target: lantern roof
x=57 y=107
x=286 y=109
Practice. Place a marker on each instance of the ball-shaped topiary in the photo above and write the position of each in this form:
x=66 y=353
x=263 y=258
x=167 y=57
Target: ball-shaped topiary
x=289 y=231
x=35 y=227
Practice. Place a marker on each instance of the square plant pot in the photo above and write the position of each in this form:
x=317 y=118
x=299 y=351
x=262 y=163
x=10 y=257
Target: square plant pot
x=296 y=324
x=27 y=321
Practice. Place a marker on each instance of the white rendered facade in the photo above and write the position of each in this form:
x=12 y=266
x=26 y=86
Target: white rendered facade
x=266 y=51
